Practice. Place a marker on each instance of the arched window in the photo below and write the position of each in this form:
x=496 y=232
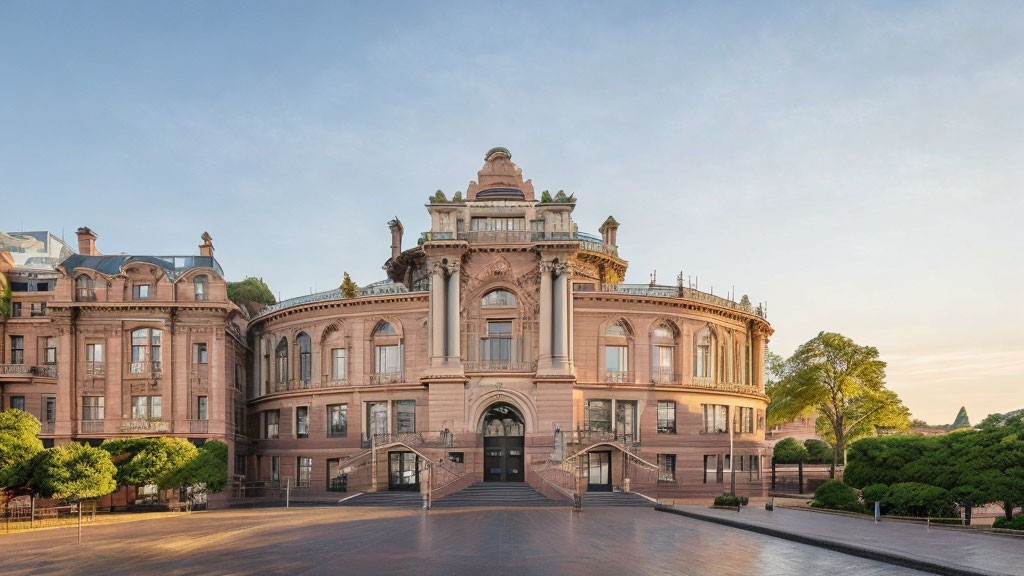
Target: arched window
x=663 y=354
x=305 y=358
x=387 y=354
x=498 y=298
x=281 y=353
x=85 y=289
x=616 y=353
x=704 y=353
x=145 y=351
x=201 y=287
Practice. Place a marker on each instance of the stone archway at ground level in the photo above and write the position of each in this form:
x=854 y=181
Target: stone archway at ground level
x=504 y=441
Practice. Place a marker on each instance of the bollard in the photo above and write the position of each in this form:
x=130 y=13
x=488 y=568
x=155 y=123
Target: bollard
x=878 y=511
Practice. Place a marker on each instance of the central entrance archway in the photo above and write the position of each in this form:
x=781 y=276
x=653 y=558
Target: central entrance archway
x=504 y=432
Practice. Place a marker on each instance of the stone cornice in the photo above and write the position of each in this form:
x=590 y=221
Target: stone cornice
x=340 y=303
x=759 y=325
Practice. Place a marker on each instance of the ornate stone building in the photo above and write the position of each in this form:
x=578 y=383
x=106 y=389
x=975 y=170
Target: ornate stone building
x=504 y=347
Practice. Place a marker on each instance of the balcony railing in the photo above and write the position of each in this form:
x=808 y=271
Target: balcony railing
x=659 y=376
x=499 y=353
x=293 y=385
x=663 y=291
x=379 y=378
x=620 y=376
x=500 y=366
x=497 y=236
x=90 y=427
x=48 y=371
x=198 y=426
x=145 y=368
x=144 y=425
x=46 y=428
x=14 y=369
x=95 y=368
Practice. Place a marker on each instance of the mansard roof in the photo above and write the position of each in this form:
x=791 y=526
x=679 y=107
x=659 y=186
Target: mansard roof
x=174 y=266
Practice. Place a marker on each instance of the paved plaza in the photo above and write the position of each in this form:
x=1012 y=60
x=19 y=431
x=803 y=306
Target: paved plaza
x=953 y=549
x=333 y=540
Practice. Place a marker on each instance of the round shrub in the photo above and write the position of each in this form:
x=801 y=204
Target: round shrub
x=837 y=496
x=874 y=493
x=730 y=500
x=818 y=451
x=920 y=500
x=790 y=451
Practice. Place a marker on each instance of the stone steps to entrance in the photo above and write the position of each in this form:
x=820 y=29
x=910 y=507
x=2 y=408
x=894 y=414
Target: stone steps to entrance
x=506 y=494
x=601 y=499
x=389 y=499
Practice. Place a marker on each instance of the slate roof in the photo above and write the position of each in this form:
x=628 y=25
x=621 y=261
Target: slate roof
x=174 y=266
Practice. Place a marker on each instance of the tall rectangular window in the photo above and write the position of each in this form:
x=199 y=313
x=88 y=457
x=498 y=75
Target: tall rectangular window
x=662 y=365
x=17 y=349
x=49 y=350
x=716 y=418
x=597 y=415
x=405 y=416
x=199 y=353
x=388 y=359
x=377 y=418
x=37 y=309
x=499 y=341
x=666 y=417
x=666 y=467
x=337 y=364
x=302 y=422
x=746 y=420
x=17 y=403
x=712 y=469
x=625 y=419
x=304 y=471
x=275 y=468
x=271 y=423
x=94 y=358
x=92 y=407
x=202 y=408
x=15 y=309
x=616 y=358
x=51 y=410
x=337 y=421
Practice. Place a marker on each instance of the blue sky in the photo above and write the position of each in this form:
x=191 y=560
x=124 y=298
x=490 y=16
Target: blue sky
x=859 y=166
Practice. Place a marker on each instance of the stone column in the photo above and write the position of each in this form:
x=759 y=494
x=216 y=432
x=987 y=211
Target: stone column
x=453 y=356
x=546 y=315
x=437 y=294
x=560 y=317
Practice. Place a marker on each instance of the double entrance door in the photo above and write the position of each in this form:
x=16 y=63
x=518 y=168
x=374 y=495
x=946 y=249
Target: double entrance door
x=403 y=471
x=599 y=471
x=503 y=459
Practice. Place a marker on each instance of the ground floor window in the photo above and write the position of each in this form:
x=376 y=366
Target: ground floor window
x=337 y=420
x=666 y=467
x=275 y=468
x=92 y=407
x=712 y=469
x=666 y=417
x=457 y=457
x=336 y=481
x=597 y=415
x=746 y=420
x=240 y=464
x=147 y=407
x=304 y=471
x=17 y=403
x=405 y=416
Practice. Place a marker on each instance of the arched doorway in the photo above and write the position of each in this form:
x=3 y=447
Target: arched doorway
x=503 y=430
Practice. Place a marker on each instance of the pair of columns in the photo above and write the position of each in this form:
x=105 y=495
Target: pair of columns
x=555 y=314
x=444 y=315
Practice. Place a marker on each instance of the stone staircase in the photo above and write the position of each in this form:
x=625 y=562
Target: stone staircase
x=602 y=499
x=413 y=500
x=504 y=494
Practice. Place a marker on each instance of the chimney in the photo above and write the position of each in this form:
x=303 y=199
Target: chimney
x=86 y=242
x=206 y=248
x=396 y=237
x=609 y=230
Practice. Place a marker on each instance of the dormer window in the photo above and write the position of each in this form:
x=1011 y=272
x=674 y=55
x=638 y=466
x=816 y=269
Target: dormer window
x=201 y=288
x=140 y=292
x=499 y=298
x=85 y=289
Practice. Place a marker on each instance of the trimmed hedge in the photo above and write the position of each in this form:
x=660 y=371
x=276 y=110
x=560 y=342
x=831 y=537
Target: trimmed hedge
x=1016 y=524
x=920 y=500
x=730 y=500
x=835 y=495
x=790 y=451
x=874 y=493
x=818 y=451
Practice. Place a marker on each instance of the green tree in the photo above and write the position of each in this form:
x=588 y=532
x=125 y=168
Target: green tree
x=789 y=451
x=252 y=294
x=844 y=384
x=73 y=472
x=348 y=287
x=209 y=468
x=142 y=461
x=545 y=197
x=889 y=459
x=961 y=419
x=19 y=443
